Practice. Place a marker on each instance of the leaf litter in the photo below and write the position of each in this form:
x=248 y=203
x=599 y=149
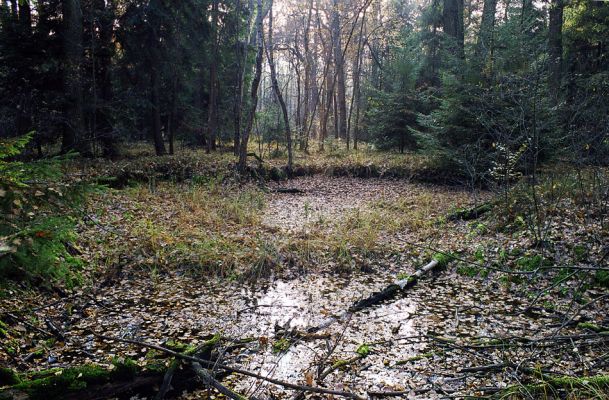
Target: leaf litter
x=419 y=343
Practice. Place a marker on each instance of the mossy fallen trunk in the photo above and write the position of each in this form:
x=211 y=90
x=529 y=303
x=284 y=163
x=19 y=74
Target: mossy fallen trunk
x=470 y=213
x=122 y=380
x=596 y=386
x=84 y=382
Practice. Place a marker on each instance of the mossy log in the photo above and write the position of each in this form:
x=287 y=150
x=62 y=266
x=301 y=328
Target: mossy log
x=470 y=213
x=122 y=380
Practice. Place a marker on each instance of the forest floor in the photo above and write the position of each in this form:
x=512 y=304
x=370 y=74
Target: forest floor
x=181 y=261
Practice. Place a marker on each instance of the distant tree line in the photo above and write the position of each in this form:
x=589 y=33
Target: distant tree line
x=471 y=81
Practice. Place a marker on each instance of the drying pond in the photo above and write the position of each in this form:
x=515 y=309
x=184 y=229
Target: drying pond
x=430 y=341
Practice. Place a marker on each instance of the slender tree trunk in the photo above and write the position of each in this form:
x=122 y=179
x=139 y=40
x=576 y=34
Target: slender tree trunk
x=157 y=136
x=212 y=111
x=255 y=84
x=73 y=108
x=339 y=63
x=308 y=61
x=555 y=47
x=107 y=19
x=355 y=98
x=275 y=84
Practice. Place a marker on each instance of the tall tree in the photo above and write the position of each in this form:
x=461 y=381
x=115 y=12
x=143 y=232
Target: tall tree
x=254 y=90
x=485 y=36
x=276 y=89
x=339 y=71
x=555 y=49
x=212 y=105
x=452 y=20
x=73 y=110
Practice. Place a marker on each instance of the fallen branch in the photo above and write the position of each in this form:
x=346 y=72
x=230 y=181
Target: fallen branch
x=288 y=190
x=393 y=289
x=288 y=385
x=385 y=294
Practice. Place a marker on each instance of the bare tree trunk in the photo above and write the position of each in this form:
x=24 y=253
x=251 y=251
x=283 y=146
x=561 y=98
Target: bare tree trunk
x=255 y=83
x=341 y=103
x=308 y=77
x=355 y=98
x=239 y=51
x=212 y=111
x=157 y=136
x=452 y=19
x=275 y=84
x=73 y=110
x=485 y=37
x=555 y=46
x=107 y=20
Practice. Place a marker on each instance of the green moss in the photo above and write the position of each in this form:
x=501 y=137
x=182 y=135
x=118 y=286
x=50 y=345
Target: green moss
x=531 y=263
x=340 y=363
x=580 y=252
x=55 y=383
x=592 y=327
x=281 y=345
x=8 y=377
x=363 y=350
x=468 y=270
x=601 y=278
x=443 y=259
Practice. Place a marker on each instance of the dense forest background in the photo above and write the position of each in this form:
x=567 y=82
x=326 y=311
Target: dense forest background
x=472 y=82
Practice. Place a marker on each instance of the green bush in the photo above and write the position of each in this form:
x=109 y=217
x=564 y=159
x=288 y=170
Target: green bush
x=37 y=223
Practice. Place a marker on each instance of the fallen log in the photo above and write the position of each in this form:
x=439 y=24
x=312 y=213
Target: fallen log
x=439 y=260
x=95 y=383
x=236 y=370
x=393 y=289
x=470 y=213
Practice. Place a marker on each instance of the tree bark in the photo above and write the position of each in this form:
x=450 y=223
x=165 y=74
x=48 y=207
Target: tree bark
x=339 y=64
x=73 y=109
x=485 y=36
x=555 y=47
x=452 y=19
x=212 y=111
x=275 y=84
x=157 y=136
x=254 y=90
x=107 y=19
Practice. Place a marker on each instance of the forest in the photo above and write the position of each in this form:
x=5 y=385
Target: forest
x=304 y=199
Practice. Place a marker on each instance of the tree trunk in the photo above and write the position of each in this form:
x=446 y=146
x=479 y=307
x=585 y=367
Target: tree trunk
x=212 y=111
x=485 y=36
x=555 y=47
x=275 y=84
x=452 y=18
x=157 y=136
x=355 y=98
x=73 y=108
x=107 y=19
x=254 y=91
x=341 y=103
